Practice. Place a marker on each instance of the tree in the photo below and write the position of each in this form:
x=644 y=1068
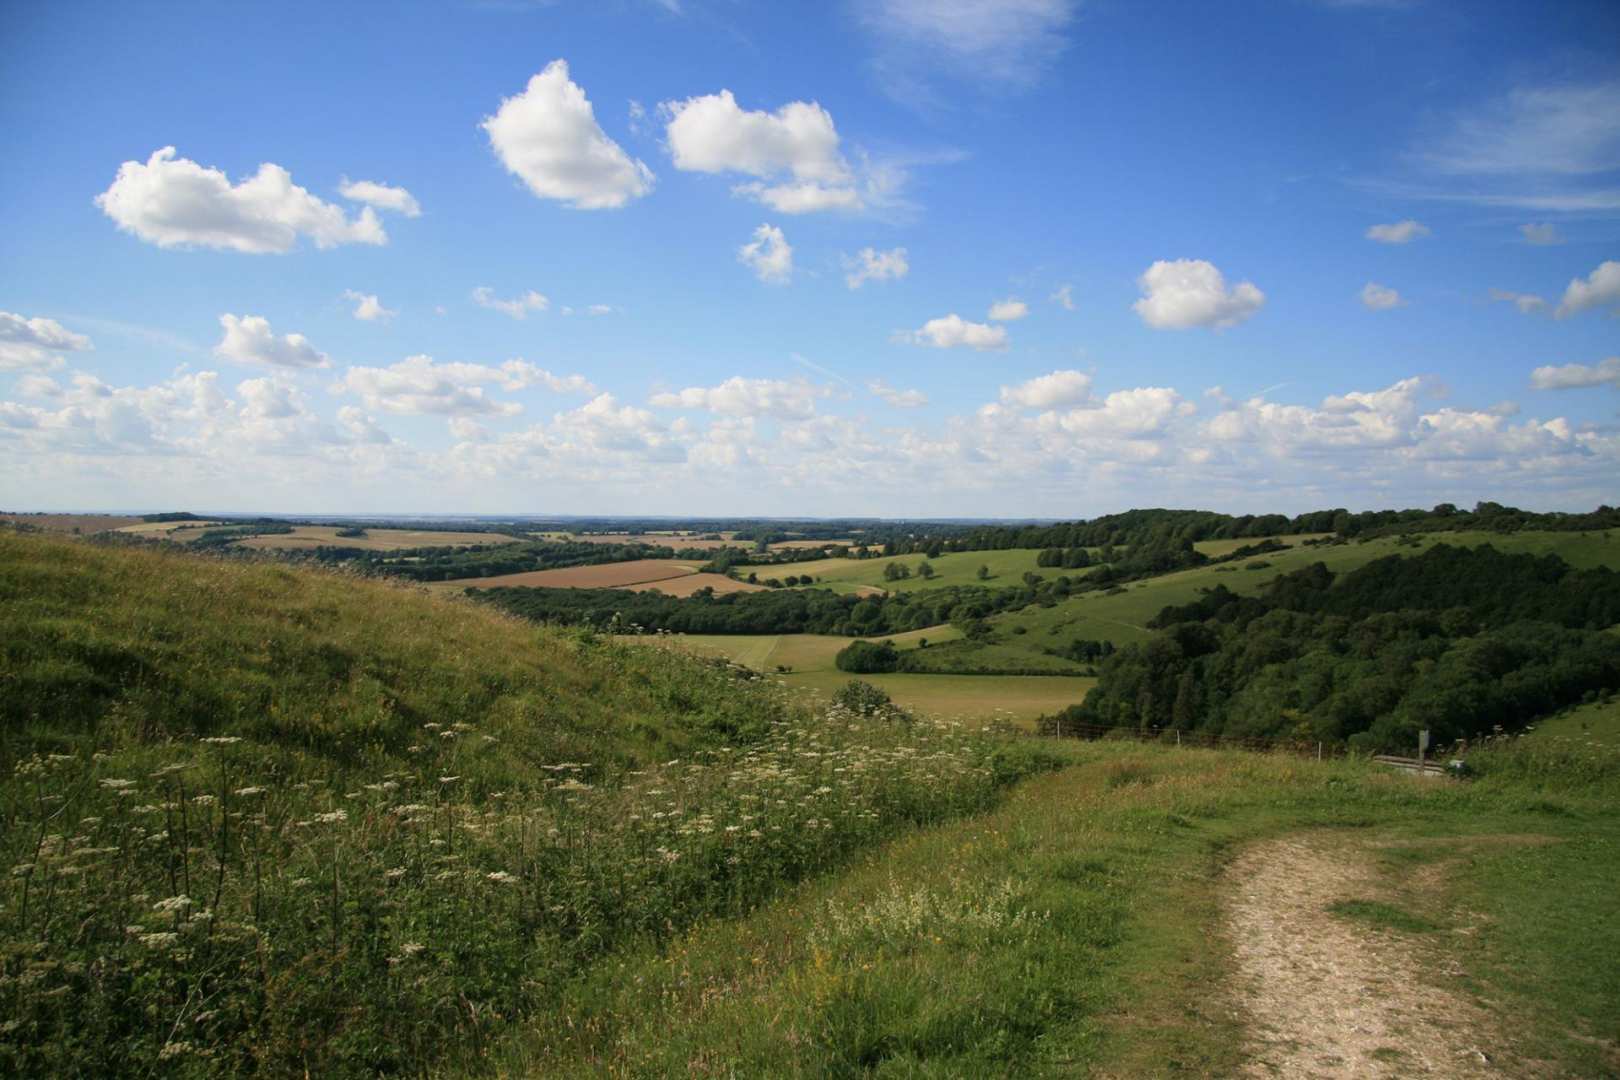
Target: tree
x=926 y=570
x=983 y=573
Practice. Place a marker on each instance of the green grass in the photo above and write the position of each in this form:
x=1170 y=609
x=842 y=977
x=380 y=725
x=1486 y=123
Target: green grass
x=1017 y=698
x=108 y=647
x=955 y=568
x=1382 y=916
x=273 y=821
x=259 y=820
x=1596 y=722
x=1077 y=931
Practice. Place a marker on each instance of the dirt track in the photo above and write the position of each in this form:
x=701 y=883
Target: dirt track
x=1324 y=996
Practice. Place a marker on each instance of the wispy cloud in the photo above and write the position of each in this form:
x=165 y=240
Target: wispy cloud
x=999 y=45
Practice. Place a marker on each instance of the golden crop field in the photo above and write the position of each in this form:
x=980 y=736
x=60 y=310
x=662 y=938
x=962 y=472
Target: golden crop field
x=308 y=536
x=617 y=575
x=686 y=586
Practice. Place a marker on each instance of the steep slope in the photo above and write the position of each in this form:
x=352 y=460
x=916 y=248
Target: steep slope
x=113 y=646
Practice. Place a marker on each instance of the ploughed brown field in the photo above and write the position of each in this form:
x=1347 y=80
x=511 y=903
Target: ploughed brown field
x=686 y=586
x=308 y=536
x=85 y=523
x=617 y=575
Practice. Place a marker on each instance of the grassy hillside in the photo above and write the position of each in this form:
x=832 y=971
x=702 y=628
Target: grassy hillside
x=274 y=821
x=1081 y=930
x=1123 y=617
x=120 y=647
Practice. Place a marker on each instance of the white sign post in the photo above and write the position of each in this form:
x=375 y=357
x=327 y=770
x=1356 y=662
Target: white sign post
x=1423 y=746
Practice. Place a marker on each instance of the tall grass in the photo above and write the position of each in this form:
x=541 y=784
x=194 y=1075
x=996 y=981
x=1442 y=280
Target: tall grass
x=265 y=821
x=189 y=909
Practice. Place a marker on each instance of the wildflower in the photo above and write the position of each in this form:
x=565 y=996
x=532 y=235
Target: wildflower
x=173 y=903
x=448 y=779
x=222 y=740
x=203 y=800
x=118 y=785
x=159 y=941
x=299 y=882
x=335 y=817
x=501 y=877
x=247 y=791
x=395 y=874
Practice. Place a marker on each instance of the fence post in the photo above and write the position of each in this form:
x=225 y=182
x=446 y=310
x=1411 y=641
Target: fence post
x=1178 y=738
x=1318 y=751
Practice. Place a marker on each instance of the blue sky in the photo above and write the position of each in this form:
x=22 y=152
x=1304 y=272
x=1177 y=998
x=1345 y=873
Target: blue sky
x=608 y=257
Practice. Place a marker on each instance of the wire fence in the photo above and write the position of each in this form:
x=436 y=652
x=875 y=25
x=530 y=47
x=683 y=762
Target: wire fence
x=1070 y=729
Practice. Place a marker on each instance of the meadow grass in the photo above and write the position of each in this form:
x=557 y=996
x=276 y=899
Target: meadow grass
x=220 y=859
x=1076 y=930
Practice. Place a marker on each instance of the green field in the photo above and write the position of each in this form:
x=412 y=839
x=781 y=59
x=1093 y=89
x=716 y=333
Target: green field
x=1017 y=698
x=1123 y=618
x=956 y=568
x=1596 y=724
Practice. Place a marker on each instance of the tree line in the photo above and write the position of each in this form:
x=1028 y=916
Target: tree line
x=1455 y=640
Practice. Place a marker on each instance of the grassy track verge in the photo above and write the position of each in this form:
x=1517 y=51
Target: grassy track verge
x=1076 y=930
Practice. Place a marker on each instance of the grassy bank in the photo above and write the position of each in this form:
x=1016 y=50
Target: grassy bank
x=265 y=821
x=1077 y=929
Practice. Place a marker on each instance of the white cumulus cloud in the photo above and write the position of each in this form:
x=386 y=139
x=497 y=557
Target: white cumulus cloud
x=1577 y=376
x=1376 y=297
x=1009 y=310
x=739 y=396
x=518 y=307
x=249 y=340
x=175 y=202
x=36 y=342
x=1527 y=303
x=1601 y=288
x=418 y=385
x=367 y=308
x=1183 y=293
x=1542 y=235
x=895 y=397
x=1399 y=232
x=1049 y=391
x=548 y=137
x=869 y=264
x=794 y=152
x=381 y=196
x=952 y=331
x=768 y=255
